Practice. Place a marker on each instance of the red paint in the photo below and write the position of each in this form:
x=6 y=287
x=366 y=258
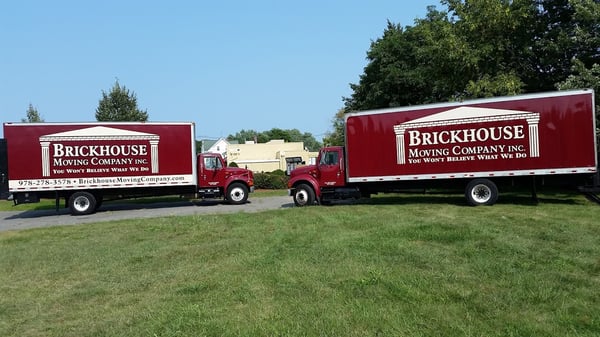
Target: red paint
x=565 y=134
x=98 y=150
x=527 y=135
x=116 y=158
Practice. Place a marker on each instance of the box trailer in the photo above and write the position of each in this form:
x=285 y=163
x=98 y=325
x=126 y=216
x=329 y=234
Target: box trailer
x=86 y=163
x=476 y=145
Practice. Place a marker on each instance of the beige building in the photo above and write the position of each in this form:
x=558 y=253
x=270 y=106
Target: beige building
x=270 y=156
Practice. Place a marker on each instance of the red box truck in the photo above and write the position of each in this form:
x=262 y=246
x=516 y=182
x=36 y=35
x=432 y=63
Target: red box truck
x=477 y=145
x=85 y=163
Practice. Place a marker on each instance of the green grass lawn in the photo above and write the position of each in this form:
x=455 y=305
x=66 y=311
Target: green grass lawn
x=408 y=265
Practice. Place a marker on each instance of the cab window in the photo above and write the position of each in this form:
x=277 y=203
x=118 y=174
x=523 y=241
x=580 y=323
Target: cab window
x=329 y=158
x=211 y=163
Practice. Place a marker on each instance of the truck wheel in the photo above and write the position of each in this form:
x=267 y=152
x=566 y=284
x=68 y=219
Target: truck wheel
x=481 y=192
x=81 y=203
x=304 y=195
x=237 y=193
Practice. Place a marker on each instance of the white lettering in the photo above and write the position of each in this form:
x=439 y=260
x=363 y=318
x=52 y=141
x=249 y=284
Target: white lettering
x=495 y=133
x=61 y=150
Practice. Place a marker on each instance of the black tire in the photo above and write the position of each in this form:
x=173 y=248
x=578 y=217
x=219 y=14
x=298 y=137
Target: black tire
x=304 y=195
x=81 y=203
x=237 y=194
x=481 y=192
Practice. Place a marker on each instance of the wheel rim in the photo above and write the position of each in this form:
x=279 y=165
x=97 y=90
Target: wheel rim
x=481 y=193
x=301 y=197
x=81 y=204
x=237 y=194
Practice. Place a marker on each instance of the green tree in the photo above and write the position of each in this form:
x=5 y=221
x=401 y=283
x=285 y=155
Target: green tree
x=310 y=142
x=389 y=78
x=277 y=133
x=425 y=63
x=337 y=136
x=585 y=78
x=33 y=116
x=119 y=104
x=291 y=135
x=478 y=48
x=566 y=31
x=243 y=136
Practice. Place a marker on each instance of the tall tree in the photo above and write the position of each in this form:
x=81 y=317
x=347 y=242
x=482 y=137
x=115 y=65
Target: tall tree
x=566 y=30
x=497 y=36
x=336 y=137
x=119 y=104
x=291 y=135
x=277 y=133
x=243 y=136
x=583 y=77
x=33 y=116
x=480 y=48
x=307 y=138
x=310 y=142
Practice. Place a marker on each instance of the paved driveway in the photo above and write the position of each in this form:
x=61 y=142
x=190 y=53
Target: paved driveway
x=111 y=212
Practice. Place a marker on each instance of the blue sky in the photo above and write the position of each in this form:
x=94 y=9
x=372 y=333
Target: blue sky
x=225 y=65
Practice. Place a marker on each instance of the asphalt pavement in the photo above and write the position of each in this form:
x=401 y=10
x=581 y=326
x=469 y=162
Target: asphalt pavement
x=111 y=212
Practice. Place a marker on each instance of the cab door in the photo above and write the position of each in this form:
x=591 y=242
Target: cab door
x=331 y=167
x=212 y=172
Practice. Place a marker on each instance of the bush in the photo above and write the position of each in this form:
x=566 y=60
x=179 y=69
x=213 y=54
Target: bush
x=233 y=164
x=278 y=173
x=270 y=180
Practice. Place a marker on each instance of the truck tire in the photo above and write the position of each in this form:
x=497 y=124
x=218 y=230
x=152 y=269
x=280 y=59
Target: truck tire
x=81 y=203
x=304 y=195
x=237 y=193
x=481 y=192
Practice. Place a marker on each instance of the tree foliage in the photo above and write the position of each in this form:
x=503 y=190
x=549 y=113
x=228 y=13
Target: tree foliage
x=290 y=135
x=33 y=116
x=244 y=135
x=336 y=137
x=119 y=104
x=479 y=48
x=583 y=77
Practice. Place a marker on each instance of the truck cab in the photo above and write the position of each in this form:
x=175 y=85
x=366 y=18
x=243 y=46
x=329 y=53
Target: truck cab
x=322 y=182
x=216 y=180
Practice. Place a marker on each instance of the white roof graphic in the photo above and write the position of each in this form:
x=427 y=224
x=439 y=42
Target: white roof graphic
x=468 y=115
x=97 y=133
x=466 y=112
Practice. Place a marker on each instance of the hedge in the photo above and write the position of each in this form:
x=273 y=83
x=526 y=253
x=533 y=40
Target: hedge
x=270 y=180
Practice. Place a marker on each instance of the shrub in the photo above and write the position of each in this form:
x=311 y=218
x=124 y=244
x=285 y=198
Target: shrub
x=278 y=173
x=270 y=180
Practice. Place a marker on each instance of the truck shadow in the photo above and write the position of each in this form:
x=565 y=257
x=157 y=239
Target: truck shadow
x=36 y=214
x=118 y=206
x=522 y=199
